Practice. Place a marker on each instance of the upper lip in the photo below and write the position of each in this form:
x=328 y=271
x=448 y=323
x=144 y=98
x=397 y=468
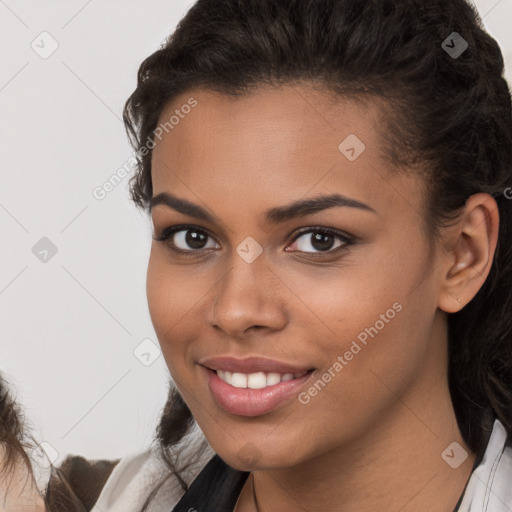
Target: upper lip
x=251 y=365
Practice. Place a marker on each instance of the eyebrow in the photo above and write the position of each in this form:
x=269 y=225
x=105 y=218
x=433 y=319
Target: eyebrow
x=275 y=215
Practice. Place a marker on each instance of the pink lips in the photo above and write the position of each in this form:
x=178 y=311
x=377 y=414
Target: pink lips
x=246 y=401
x=250 y=365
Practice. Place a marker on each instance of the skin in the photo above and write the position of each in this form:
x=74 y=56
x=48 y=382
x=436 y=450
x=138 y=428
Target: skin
x=18 y=490
x=372 y=438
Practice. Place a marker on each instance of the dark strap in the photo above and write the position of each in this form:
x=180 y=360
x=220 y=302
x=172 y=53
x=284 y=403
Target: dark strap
x=215 y=489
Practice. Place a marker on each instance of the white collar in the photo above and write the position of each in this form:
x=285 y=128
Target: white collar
x=489 y=488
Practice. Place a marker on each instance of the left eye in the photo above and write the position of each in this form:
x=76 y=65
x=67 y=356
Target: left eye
x=321 y=240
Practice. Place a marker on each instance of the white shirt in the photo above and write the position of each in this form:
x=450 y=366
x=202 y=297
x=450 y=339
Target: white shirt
x=489 y=488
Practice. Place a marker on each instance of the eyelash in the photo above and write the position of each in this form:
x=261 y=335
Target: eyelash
x=167 y=233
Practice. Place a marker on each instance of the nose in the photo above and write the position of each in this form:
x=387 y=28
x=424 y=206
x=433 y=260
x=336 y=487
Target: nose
x=248 y=298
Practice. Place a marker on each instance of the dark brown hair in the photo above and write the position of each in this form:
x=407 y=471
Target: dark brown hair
x=14 y=437
x=448 y=117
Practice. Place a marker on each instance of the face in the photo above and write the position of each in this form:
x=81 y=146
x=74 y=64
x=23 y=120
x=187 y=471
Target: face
x=326 y=312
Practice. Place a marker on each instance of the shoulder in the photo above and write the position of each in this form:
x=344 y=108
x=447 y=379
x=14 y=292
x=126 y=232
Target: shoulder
x=124 y=485
x=77 y=483
x=489 y=486
x=140 y=476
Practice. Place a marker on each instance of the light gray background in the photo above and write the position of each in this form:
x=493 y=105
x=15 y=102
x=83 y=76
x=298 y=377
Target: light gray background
x=70 y=325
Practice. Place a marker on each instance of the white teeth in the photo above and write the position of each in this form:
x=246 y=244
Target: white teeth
x=273 y=378
x=239 y=380
x=258 y=380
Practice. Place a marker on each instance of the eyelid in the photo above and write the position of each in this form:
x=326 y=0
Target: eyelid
x=324 y=229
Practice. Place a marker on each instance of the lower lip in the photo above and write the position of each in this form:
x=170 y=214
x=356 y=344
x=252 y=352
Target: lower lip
x=252 y=402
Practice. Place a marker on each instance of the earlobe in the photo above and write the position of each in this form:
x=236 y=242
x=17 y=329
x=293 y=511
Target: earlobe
x=472 y=253
x=450 y=304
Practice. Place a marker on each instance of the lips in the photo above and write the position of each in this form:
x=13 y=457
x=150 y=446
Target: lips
x=251 y=365
x=252 y=386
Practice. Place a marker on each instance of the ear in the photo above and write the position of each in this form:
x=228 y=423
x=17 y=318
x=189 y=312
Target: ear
x=472 y=246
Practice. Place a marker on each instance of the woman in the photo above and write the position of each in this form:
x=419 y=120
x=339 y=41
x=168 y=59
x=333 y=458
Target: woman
x=330 y=278
x=18 y=489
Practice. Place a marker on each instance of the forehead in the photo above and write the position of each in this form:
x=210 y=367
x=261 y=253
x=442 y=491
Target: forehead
x=277 y=142
x=269 y=118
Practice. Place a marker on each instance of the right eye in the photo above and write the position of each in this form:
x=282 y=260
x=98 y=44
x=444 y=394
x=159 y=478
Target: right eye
x=187 y=240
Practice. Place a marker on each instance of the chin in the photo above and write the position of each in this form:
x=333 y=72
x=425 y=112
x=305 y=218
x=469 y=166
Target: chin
x=252 y=456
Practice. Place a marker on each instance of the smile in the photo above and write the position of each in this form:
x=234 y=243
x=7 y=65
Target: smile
x=253 y=394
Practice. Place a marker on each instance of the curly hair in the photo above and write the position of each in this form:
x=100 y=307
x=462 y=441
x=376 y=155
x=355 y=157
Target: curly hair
x=447 y=117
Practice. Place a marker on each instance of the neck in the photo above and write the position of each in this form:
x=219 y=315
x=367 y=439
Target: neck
x=400 y=470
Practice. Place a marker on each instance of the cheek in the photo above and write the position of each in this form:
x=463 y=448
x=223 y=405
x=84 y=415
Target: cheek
x=161 y=302
x=361 y=380
x=381 y=350
x=170 y=298
x=377 y=323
